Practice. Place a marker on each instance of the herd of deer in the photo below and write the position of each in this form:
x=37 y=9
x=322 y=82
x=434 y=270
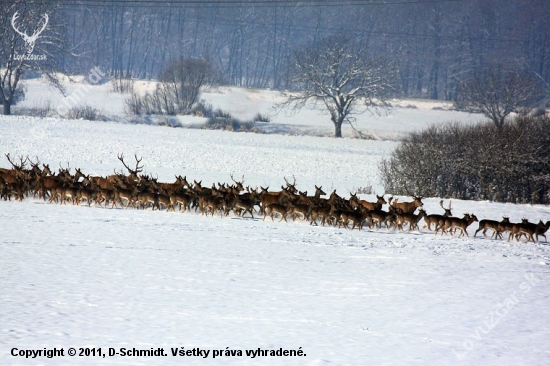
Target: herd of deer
x=142 y=191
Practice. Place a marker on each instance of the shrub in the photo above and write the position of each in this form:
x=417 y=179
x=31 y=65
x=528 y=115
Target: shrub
x=261 y=118
x=364 y=190
x=122 y=85
x=221 y=120
x=477 y=162
x=178 y=89
x=84 y=112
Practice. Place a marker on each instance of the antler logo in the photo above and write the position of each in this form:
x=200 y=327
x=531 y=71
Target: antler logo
x=29 y=40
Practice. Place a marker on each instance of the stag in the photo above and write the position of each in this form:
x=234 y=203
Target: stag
x=15 y=180
x=133 y=178
x=436 y=218
x=238 y=185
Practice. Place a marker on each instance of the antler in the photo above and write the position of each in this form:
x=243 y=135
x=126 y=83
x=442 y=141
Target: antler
x=15 y=166
x=293 y=183
x=13 y=19
x=46 y=18
x=138 y=168
x=35 y=164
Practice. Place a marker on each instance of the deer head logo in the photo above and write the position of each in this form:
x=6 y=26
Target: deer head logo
x=29 y=40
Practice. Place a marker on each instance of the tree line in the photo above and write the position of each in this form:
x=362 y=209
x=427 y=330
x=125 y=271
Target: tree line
x=433 y=44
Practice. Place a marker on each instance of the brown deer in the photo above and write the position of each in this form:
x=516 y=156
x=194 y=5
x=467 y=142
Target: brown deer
x=86 y=192
x=182 y=200
x=321 y=211
x=300 y=209
x=379 y=217
x=408 y=207
x=164 y=199
x=238 y=186
x=15 y=179
x=497 y=226
x=170 y=188
x=411 y=219
x=541 y=231
x=241 y=204
x=371 y=206
x=291 y=187
x=276 y=208
x=454 y=223
x=133 y=178
x=527 y=229
x=357 y=217
x=267 y=198
x=129 y=195
x=436 y=218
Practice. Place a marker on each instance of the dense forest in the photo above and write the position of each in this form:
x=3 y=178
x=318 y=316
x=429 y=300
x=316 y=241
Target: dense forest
x=434 y=43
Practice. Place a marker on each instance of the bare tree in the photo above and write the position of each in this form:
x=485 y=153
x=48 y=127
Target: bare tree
x=497 y=93
x=29 y=40
x=183 y=79
x=341 y=78
x=178 y=89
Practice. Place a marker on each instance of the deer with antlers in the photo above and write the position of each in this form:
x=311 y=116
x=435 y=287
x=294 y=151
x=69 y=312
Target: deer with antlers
x=134 y=177
x=436 y=218
x=14 y=181
x=454 y=223
x=496 y=226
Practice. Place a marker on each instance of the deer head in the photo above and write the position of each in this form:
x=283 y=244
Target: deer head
x=29 y=40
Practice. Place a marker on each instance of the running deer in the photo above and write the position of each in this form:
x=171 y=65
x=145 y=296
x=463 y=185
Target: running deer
x=276 y=208
x=371 y=206
x=454 y=223
x=436 y=218
x=497 y=226
x=411 y=219
x=408 y=207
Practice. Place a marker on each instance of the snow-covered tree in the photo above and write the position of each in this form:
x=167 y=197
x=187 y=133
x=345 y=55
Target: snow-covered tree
x=342 y=78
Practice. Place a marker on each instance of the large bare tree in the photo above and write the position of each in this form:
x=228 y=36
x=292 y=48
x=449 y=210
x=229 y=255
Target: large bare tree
x=497 y=92
x=31 y=38
x=342 y=78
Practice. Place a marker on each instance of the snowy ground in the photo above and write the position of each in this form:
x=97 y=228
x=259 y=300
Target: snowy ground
x=113 y=278
x=244 y=104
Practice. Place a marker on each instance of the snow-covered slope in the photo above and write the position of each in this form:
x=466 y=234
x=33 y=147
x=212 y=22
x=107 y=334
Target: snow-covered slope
x=74 y=276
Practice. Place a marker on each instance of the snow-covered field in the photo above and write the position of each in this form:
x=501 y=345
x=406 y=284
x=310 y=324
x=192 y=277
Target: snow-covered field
x=85 y=277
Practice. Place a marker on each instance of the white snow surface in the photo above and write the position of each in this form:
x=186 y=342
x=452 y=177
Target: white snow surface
x=83 y=277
